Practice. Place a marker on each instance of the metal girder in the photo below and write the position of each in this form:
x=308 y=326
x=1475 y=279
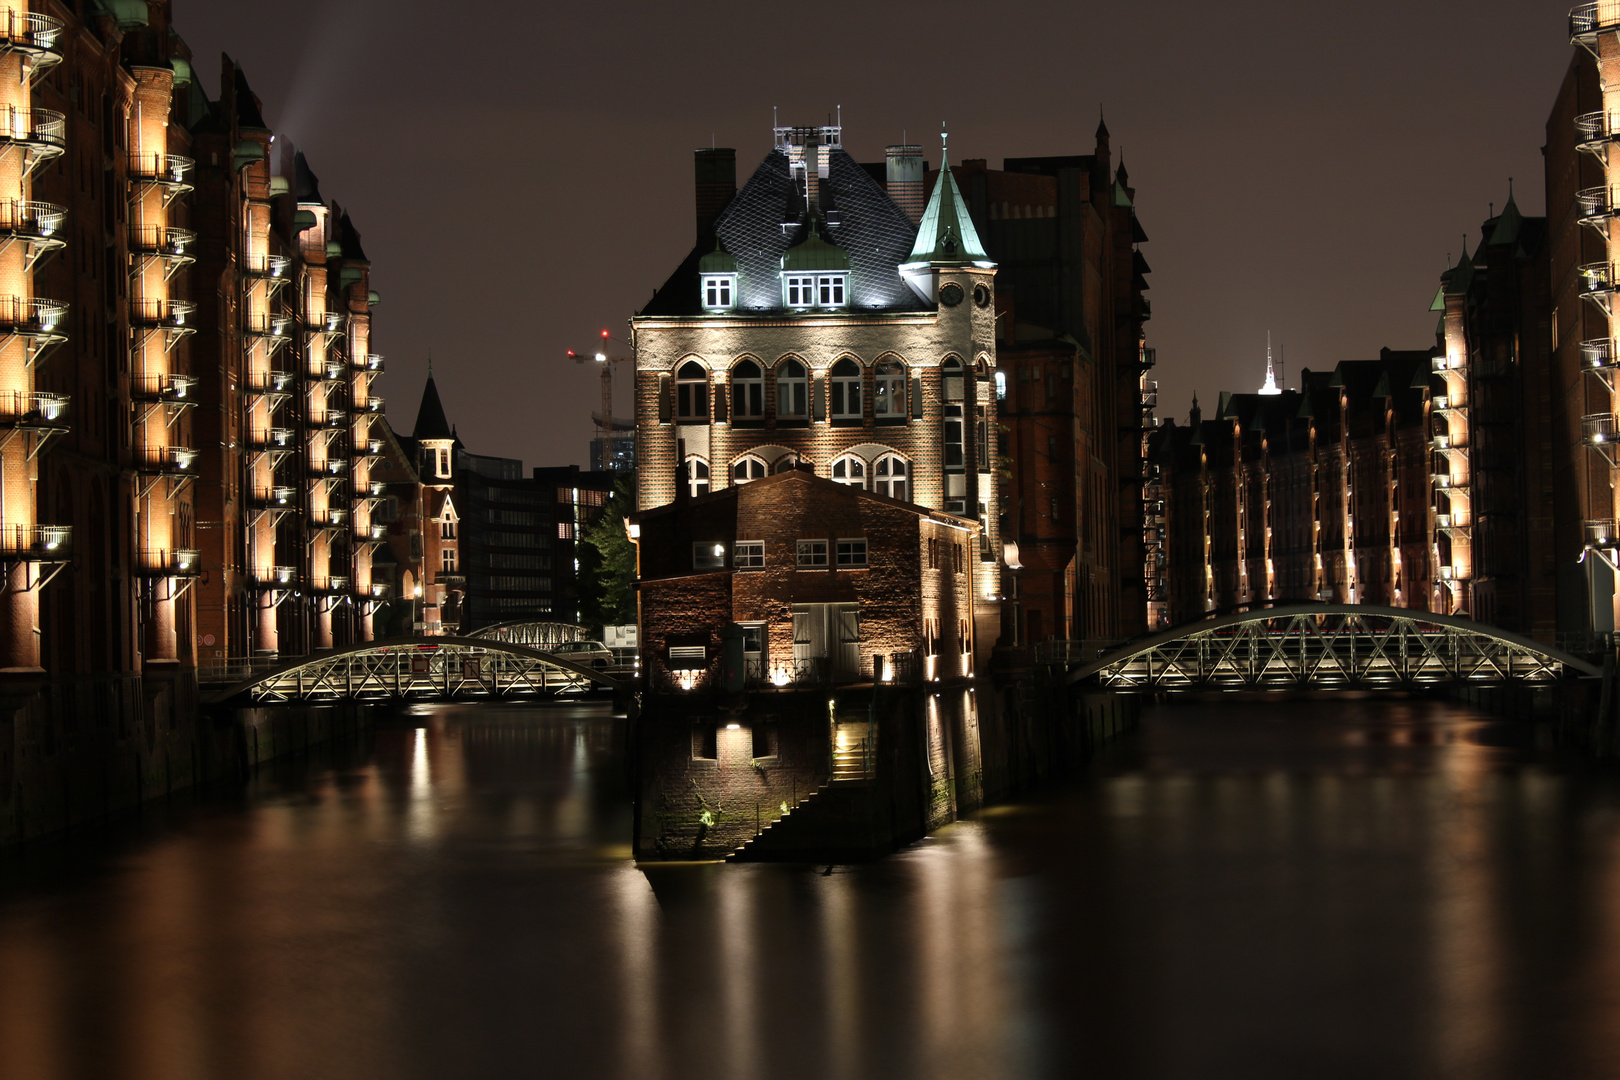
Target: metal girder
x=1327 y=646
x=531 y=633
x=438 y=669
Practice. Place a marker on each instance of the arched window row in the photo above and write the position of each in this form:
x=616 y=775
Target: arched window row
x=789 y=392
x=887 y=474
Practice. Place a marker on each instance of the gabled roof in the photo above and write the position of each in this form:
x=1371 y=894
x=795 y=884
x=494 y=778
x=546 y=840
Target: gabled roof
x=247 y=106
x=350 y=237
x=430 y=419
x=946 y=234
x=306 y=185
x=768 y=216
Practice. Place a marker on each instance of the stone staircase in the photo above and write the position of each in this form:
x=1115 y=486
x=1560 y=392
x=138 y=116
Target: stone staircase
x=852 y=761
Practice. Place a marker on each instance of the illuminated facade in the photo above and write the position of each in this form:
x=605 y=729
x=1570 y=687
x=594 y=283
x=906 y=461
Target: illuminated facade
x=817 y=325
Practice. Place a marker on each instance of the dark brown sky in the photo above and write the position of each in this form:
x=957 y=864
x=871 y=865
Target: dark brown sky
x=522 y=174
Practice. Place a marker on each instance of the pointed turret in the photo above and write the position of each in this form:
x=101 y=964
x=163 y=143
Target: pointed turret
x=430 y=419
x=1271 y=386
x=946 y=236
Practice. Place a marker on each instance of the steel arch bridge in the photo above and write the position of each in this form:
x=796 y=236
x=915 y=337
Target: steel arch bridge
x=1328 y=646
x=532 y=634
x=423 y=669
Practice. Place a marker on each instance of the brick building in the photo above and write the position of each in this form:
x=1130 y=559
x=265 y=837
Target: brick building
x=821 y=577
x=816 y=325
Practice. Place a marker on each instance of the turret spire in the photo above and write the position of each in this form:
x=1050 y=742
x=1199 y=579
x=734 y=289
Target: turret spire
x=1271 y=386
x=946 y=233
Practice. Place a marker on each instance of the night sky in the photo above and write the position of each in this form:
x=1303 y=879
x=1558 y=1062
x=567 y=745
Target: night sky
x=522 y=175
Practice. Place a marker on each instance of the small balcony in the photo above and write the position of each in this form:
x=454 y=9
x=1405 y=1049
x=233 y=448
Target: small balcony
x=273 y=383
x=38 y=224
x=374 y=489
x=162 y=242
x=166 y=315
x=1439 y=364
x=270 y=438
x=1588 y=21
x=368 y=448
x=274 y=577
x=36 y=543
x=167 y=461
x=328 y=468
x=1596 y=282
x=329 y=372
x=38 y=37
x=1444 y=403
x=329 y=518
x=333 y=418
x=33 y=411
x=1599 y=429
x=372 y=362
x=168 y=171
x=171 y=562
x=265 y=266
x=1600 y=354
x=1148 y=358
x=164 y=389
x=273 y=498
x=371 y=534
x=1445 y=482
x=1594 y=129
x=1602 y=533
x=41 y=133
x=1595 y=205
x=372 y=405
x=330 y=585
x=1150 y=394
x=377 y=590
x=39 y=321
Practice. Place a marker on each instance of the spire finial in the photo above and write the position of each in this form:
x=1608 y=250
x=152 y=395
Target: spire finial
x=1271 y=386
x=944 y=145
x=430 y=363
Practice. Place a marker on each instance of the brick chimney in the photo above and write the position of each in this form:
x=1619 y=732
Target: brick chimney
x=715 y=171
x=906 y=180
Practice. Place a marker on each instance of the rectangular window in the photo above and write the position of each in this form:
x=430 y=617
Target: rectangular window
x=852 y=553
x=800 y=291
x=449 y=560
x=830 y=290
x=442 y=461
x=954 y=457
x=708 y=555
x=812 y=554
x=447 y=530
x=748 y=555
x=717 y=292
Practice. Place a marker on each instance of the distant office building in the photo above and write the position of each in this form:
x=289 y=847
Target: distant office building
x=508 y=543
x=617 y=454
x=579 y=496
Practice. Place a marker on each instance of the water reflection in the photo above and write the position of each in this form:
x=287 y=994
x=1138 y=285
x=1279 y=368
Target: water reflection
x=1248 y=889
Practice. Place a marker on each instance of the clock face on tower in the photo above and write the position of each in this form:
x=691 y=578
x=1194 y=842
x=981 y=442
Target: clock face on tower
x=981 y=295
x=950 y=294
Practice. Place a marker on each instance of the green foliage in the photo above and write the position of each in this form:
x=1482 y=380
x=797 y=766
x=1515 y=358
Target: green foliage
x=607 y=562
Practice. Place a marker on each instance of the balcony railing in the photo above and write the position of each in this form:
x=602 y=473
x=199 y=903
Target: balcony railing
x=36 y=543
x=1587 y=21
x=1596 y=278
x=1594 y=127
x=1595 y=203
x=329 y=467
x=1439 y=364
x=33 y=409
x=372 y=533
x=377 y=590
x=162 y=240
x=39 y=36
x=171 y=562
x=265 y=266
x=371 y=405
x=270 y=438
x=1601 y=533
x=1599 y=429
x=369 y=362
x=330 y=585
x=268 y=382
x=167 y=461
x=37 y=221
x=274 y=498
x=31 y=317
x=334 y=417
x=169 y=314
x=330 y=372
x=329 y=518
x=1599 y=353
x=370 y=448
x=41 y=130
x=266 y=326
x=274 y=577
x=174 y=389
x=160 y=168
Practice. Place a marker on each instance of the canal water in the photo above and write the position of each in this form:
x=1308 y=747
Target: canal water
x=1306 y=888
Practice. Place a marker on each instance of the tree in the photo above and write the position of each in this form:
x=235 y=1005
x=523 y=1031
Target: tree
x=607 y=562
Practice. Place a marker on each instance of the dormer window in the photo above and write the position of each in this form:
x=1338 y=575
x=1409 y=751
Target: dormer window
x=815 y=273
x=801 y=291
x=718 y=291
x=830 y=289
x=815 y=290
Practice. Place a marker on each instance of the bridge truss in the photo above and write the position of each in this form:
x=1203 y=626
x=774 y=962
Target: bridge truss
x=1328 y=646
x=433 y=669
x=533 y=634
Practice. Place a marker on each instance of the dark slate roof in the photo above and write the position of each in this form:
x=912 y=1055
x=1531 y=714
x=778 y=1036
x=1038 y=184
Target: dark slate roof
x=350 y=237
x=430 y=419
x=307 y=186
x=247 y=106
x=860 y=218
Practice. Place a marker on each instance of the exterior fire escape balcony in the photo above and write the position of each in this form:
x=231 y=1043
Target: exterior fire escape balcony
x=28 y=410
x=36 y=224
x=164 y=243
x=274 y=577
x=1596 y=282
x=36 y=543
x=168 y=389
x=373 y=533
x=1439 y=364
x=1451 y=526
x=1602 y=533
x=273 y=387
x=372 y=362
x=171 y=562
x=368 y=449
x=40 y=135
x=1594 y=131
x=167 y=171
x=271 y=329
x=334 y=419
x=328 y=469
x=330 y=519
x=330 y=372
x=270 y=269
x=1150 y=394
x=1601 y=432
x=176 y=464
x=330 y=585
x=270 y=438
x=1588 y=21
x=36 y=37
x=1147 y=358
x=328 y=323
x=1446 y=484
x=1444 y=404
x=1600 y=354
x=166 y=317
x=38 y=322
x=373 y=405
x=1595 y=205
x=378 y=590
x=273 y=498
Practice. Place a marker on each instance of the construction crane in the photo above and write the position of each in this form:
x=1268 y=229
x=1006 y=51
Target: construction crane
x=604 y=419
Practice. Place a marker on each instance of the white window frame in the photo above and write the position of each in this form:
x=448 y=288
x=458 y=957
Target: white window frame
x=687 y=389
x=885 y=477
x=851 y=553
x=708 y=555
x=799 y=290
x=719 y=291
x=810 y=555
x=889 y=390
x=441 y=461
x=744 y=387
x=849 y=470
x=788 y=383
x=447 y=560
x=839 y=389
x=748 y=555
x=832 y=290
x=697 y=475
x=752 y=468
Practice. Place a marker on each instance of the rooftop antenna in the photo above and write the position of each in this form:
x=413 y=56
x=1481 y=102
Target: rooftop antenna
x=840 y=117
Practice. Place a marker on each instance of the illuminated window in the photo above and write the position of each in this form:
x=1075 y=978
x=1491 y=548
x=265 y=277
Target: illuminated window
x=697 y=476
x=747 y=391
x=845 y=380
x=889 y=393
x=890 y=477
x=708 y=555
x=849 y=470
x=852 y=553
x=746 y=469
x=830 y=290
x=812 y=554
x=748 y=555
x=792 y=391
x=447 y=529
x=801 y=291
x=449 y=560
x=441 y=461
x=692 y=392
x=718 y=290
x=955 y=451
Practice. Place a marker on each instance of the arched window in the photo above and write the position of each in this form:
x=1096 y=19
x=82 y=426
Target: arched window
x=692 y=392
x=786 y=463
x=850 y=470
x=952 y=376
x=792 y=391
x=891 y=476
x=697 y=476
x=745 y=469
x=846 y=390
x=889 y=395
x=747 y=391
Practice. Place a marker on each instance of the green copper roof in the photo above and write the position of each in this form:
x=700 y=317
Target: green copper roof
x=1439 y=300
x=946 y=234
x=718 y=261
x=815 y=253
x=1507 y=225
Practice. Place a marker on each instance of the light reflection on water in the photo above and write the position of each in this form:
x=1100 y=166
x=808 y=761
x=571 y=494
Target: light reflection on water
x=1316 y=888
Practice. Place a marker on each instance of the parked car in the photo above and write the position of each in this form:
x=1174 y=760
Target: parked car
x=593 y=653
